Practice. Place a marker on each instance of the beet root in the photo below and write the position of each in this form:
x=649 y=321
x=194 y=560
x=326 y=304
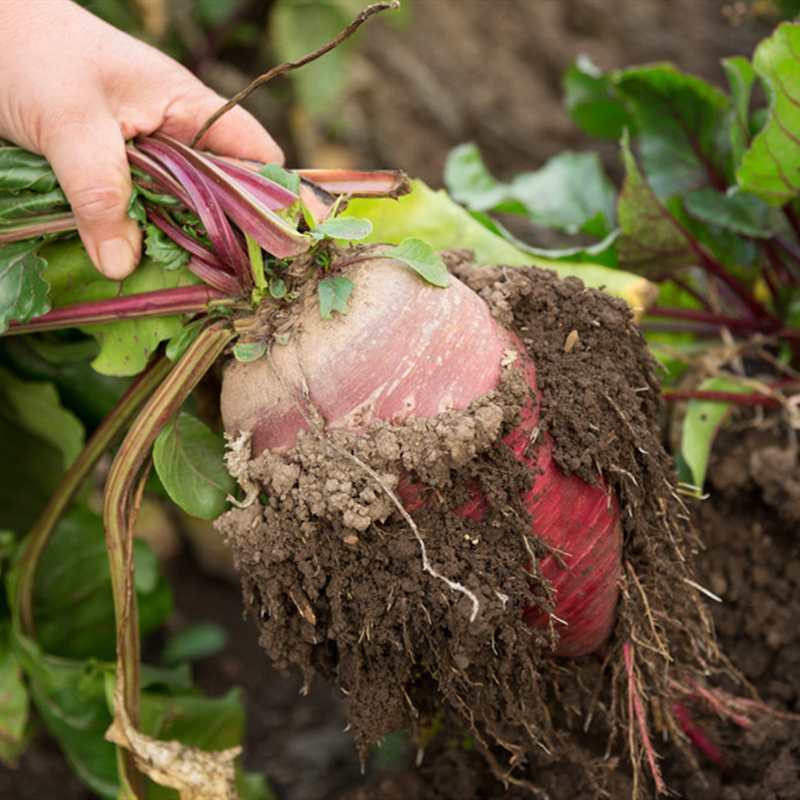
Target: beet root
x=409 y=350
x=454 y=497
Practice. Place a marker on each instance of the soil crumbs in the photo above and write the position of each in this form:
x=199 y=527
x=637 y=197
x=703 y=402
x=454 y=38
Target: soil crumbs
x=334 y=571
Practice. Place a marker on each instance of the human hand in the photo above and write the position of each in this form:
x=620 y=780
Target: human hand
x=74 y=89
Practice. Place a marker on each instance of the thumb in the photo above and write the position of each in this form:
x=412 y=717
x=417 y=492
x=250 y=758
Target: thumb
x=89 y=160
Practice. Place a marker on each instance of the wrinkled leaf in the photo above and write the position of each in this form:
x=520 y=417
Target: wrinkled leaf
x=682 y=129
x=23 y=287
x=651 y=240
x=591 y=100
x=704 y=419
x=70 y=698
x=189 y=460
x=162 y=250
x=25 y=204
x=125 y=346
x=570 y=193
x=422 y=258
x=745 y=214
x=771 y=167
x=65 y=362
x=347 y=228
x=334 y=292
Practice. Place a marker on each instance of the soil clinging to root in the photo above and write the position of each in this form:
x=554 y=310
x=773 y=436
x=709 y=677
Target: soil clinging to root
x=334 y=573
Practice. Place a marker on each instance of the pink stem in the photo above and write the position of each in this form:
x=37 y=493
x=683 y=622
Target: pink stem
x=183 y=300
x=635 y=710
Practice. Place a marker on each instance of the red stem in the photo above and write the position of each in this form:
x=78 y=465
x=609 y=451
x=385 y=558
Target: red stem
x=165 y=302
x=754 y=399
x=709 y=317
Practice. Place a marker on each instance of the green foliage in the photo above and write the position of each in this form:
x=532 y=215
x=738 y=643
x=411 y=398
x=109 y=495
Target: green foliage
x=708 y=208
x=23 y=288
x=125 y=345
x=570 y=193
x=334 y=291
x=771 y=167
x=189 y=460
x=346 y=228
x=422 y=258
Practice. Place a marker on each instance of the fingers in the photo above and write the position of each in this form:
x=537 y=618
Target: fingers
x=88 y=157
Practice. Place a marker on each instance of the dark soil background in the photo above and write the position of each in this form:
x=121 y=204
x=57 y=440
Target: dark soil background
x=489 y=71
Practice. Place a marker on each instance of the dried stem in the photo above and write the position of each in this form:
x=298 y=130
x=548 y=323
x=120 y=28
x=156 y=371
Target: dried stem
x=290 y=66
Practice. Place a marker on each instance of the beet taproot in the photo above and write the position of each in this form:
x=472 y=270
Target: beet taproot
x=409 y=350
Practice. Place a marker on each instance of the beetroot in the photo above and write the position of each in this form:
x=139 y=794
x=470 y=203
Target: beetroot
x=435 y=350
x=458 y=484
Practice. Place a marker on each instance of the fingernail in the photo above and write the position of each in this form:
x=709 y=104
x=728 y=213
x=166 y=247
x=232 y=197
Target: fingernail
x=117 y=259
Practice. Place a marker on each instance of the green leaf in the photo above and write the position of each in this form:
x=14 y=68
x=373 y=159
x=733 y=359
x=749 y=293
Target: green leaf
x=200 y=640
x=125 y=346
x=277 y=288
x=189 y=460
x=334 y=292
x=23 y=287
x=36 y=407
x=651 y=240
x=209 y=723
x=20 y=205
x=64 y=360
x=72 y=600
x=470 y=183
x=14 y=702
x=249 y=351
x=704 y=419
x=741 y=77
x=682 y=128
x=422 y=258
x=179 y=343
x=591 y=100
x=163 y=251
x=570 y=192
x=70 y=697
x=347 y=228
x=771 y=167
x=20 y=169
x=745 y=214
x=437 y=219
x=277 y=174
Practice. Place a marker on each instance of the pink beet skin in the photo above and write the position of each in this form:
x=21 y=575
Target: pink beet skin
x=408 y=349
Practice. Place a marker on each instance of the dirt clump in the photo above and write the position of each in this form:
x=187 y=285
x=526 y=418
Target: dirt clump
x=415 y=609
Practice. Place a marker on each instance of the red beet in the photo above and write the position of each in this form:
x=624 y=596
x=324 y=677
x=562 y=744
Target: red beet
x=408 y=349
